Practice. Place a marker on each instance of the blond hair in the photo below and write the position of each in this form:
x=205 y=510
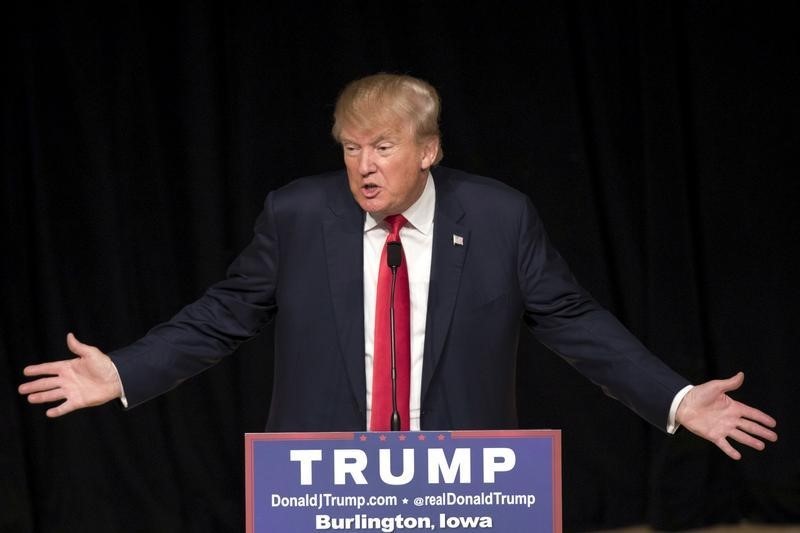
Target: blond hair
x=385 y=99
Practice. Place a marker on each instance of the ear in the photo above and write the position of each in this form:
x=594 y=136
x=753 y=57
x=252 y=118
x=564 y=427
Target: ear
x=430 y=149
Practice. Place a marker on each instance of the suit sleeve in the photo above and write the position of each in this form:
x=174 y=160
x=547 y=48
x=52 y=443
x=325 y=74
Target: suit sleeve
x=230 y=312
x=566 y=319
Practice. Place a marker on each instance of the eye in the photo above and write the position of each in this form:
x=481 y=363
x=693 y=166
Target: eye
x=350 y=149
x=384 y=148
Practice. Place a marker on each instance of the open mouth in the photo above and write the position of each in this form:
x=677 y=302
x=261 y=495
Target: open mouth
x=370 y=190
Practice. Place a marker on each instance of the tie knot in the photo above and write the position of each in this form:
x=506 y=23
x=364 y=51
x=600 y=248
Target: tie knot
x=395 y=222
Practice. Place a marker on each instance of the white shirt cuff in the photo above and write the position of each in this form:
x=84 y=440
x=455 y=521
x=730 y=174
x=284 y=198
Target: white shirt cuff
x=672 y=425
x=122 y=397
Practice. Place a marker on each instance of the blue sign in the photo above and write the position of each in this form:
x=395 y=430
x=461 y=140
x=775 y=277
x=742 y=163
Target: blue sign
x=505 y=481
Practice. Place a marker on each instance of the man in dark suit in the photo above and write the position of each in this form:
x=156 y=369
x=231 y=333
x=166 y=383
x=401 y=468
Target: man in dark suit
x=477 y=263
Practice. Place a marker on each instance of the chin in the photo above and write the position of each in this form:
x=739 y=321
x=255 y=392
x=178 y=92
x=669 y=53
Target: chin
x=372 y=208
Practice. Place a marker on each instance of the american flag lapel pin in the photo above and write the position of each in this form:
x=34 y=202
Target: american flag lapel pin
x=458 y=240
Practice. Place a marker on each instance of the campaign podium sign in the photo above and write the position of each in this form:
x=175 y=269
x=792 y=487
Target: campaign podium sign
x=503 y=481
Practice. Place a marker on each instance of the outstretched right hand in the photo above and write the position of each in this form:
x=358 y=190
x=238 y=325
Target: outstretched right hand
x=85 y=381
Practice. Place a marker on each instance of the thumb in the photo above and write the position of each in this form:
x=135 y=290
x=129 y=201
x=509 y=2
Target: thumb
x=77 y=347
x=732 y=383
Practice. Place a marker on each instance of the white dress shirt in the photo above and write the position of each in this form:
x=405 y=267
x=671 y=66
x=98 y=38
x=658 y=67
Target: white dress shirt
x=417 y=239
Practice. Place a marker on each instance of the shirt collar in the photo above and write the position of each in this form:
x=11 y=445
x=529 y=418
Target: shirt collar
x=419 y=215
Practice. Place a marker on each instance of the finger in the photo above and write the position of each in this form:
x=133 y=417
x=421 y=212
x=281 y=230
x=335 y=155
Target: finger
x=60 y=410
x=47 y=396
x=45 y=369
x=39 y=385
x=746 y=439
x=751 y=413
x=729 y=450
x=732 y=383
x=77 y=347
x=758 y=430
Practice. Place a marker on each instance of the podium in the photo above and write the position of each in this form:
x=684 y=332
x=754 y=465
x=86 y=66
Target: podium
x=503 y=481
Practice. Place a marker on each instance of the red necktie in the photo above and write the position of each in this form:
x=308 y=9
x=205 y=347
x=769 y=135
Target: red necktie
x=382 y=363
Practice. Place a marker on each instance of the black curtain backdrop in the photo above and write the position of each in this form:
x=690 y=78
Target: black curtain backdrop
x=658 y=139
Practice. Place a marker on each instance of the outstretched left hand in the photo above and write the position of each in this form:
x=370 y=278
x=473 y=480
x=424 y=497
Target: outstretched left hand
x=709 y=412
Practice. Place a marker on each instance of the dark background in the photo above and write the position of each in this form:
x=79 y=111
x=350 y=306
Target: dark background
x=658 y=139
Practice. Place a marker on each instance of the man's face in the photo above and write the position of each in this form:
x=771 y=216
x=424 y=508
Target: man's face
x=386 y=167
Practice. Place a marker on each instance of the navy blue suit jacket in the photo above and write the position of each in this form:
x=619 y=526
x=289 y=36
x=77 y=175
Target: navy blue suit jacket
x=303 y=269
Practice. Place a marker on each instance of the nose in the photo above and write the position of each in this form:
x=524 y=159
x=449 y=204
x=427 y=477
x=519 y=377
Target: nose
x=366 y=166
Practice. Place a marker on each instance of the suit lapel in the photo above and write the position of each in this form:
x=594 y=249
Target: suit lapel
x=450 y=242
x=343 y=229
